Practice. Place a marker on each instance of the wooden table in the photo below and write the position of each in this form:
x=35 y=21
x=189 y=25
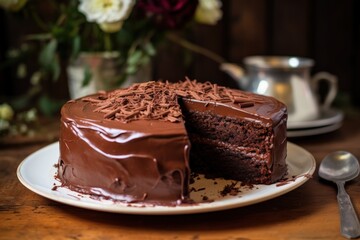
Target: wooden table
x=308 y=212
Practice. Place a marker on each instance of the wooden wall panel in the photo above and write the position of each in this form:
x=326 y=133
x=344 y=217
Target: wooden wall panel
x=247 y=29
x=333 y=39
x=168 y=64
x=355 y=80
x=211 y=38
x=289 y=30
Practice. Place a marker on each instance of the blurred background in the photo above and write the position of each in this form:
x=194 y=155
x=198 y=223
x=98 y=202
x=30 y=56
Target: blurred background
x=327 y=31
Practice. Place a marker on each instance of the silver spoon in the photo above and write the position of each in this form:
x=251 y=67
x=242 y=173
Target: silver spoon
x=339 y=167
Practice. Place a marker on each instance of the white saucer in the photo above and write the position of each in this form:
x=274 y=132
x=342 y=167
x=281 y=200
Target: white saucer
x=313 y=131
x=37 y=172
x=327 y=118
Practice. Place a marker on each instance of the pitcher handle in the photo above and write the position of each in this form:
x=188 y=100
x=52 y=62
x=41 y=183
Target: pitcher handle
x=333 y=87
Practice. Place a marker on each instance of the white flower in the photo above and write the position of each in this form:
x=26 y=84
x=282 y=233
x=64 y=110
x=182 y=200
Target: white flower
x=208 y=11
x=106 y=12
x=12 y=5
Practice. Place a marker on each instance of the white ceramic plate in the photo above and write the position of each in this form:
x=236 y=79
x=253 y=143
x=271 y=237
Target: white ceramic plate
x=37 y=172
x=328 y=117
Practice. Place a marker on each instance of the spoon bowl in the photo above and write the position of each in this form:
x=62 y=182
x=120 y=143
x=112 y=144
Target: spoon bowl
x=339 y=167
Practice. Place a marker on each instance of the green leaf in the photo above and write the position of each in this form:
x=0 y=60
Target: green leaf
x=48 y=59
x=135 y=57
x=131 y=69
x=150 y=49
x=87 y=76
x=47 y=54
x=55 y=69
x=76 y=45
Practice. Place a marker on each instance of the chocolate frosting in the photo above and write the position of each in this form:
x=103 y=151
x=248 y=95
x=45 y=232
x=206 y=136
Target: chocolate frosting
x=131 y=144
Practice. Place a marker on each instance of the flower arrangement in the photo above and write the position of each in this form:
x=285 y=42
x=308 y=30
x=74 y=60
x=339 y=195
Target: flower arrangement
x=133 y=28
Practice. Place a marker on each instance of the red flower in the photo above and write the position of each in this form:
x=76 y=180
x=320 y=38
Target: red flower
x=169 y=13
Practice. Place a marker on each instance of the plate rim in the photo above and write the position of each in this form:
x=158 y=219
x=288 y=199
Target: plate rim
x=162 y=210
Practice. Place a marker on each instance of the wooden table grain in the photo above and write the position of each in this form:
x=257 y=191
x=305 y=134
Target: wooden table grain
x=308 y=212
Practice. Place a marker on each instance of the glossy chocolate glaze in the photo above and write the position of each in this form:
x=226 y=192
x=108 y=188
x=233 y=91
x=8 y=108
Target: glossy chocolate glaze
x=144 y=160
x=147 y=160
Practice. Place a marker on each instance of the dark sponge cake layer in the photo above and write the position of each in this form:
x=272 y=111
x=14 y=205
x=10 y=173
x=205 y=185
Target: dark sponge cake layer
x=237 y=132
x=228 y=147
x=217 y=160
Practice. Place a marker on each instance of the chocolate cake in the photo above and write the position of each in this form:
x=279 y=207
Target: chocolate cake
x=140 y=144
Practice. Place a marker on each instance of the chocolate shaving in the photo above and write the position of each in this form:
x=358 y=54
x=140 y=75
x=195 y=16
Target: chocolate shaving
x=159 y=100
x=246 y=104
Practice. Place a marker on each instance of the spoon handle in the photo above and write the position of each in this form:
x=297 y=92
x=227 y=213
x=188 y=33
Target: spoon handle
x=350 y=226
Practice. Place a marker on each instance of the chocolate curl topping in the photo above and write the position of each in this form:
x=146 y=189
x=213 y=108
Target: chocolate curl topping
x=158 y=100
